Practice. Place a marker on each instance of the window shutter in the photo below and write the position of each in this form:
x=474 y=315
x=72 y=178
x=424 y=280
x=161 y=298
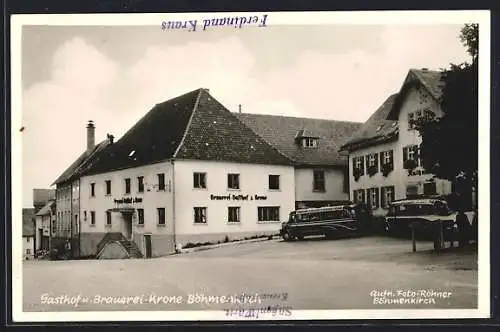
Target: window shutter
x=393 y=193
x=376 y=161
x=367 y=161
x=391 y=153
x=383 y=201
x=368 y=198
x=377 y=197
x=362 y=165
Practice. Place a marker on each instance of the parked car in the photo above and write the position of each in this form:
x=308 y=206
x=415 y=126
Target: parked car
x=429 y=216
x=330 y=221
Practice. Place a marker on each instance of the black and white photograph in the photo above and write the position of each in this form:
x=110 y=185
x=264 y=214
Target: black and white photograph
x=250 y=166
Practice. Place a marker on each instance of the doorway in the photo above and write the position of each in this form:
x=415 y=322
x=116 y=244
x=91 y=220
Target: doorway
x=127 y=218
x=148 y=246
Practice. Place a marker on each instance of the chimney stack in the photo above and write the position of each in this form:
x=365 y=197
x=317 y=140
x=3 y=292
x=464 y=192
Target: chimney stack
x=239 y=108
x=90 y=135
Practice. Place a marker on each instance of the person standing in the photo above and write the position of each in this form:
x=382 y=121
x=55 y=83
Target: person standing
x=463 y=229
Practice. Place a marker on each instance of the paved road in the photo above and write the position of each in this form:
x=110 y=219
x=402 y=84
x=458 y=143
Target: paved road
x=306 y=275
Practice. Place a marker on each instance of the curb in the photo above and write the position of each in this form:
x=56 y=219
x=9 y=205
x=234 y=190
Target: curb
x=213 y=246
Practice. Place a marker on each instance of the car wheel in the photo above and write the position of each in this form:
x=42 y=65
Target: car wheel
x=287 y=236
x=300 y=237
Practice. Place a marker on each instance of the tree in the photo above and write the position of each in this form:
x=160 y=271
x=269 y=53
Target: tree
x=449 y=146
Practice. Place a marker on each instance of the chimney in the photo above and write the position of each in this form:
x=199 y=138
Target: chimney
x=90 y=135
x=239 y=108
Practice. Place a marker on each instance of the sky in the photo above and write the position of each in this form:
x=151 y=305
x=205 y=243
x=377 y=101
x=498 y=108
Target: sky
x=114 y=75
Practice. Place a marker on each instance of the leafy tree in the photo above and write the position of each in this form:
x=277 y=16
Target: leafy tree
x=449 y=146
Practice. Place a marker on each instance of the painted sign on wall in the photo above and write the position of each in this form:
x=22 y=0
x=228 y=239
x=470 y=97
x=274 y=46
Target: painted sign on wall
x=232 y=197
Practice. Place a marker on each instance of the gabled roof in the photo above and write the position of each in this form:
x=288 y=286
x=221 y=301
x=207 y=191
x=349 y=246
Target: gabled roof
x=191 y=126
x=42 y=196
x=76 y=168
x=282 y=132
x=377 y=129
x=430 y=80
x=28 y=222
x=47 y=209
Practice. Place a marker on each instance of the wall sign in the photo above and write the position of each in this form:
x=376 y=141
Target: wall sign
x=128 y=200
x=230 y=197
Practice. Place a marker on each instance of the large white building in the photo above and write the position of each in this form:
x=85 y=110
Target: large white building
x=384 y=162
x=188 y=172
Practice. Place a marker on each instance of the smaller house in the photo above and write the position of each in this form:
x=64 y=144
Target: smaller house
x=28 y=233
x=45 y=222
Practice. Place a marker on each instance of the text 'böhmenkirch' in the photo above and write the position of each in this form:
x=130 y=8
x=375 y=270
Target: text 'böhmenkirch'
x=236 y=22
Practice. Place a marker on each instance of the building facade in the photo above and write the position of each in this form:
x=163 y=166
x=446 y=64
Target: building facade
x=45 y=219
x=384 y=161
x=320 y=171
x=28 y=233
x=188 y=172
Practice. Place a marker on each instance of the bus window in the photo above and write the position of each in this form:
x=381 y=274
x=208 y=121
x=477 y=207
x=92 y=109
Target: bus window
x=314 y=217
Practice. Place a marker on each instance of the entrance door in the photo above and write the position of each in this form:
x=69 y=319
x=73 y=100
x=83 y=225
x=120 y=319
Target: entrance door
x=148 y=246
x=127 y=217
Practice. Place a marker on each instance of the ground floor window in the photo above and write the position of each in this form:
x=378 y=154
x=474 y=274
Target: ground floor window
x=373 y=198
x=268 y=213
x=140 y=216
x=387 y=196
x=161 y=216
x=28 y=251
x=200 y=215
x=233 y=214
x=359 y=196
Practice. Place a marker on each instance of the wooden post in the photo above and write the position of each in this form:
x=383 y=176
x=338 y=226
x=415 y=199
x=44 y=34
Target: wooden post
x=413 y=241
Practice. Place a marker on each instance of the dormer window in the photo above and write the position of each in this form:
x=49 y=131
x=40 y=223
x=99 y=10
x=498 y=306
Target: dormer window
x=309 y=142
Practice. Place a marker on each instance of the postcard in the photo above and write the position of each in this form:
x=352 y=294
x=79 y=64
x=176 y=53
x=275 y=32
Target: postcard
x=250 y=166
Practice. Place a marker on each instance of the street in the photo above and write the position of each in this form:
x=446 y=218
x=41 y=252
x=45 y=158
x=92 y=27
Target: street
x=315 y=274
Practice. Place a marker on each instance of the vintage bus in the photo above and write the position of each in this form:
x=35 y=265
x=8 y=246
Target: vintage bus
x=330 y=221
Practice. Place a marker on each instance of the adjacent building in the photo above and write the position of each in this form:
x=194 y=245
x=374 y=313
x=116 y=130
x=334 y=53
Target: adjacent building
x=44 y=226
x=320 y=171
x=67 y=227
x=384 y=162
x=188 y=172
x=28 y=233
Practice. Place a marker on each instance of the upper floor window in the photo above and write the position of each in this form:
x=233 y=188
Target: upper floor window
x=108 y=187
x=358 y=166
x=140 y=184
x=411 y=121
x=161 y=216
x=309 y=142
x=319 y=181
x=200 y=180
x=274 y=182
x=161 y=181
x=92 y=190
x=127 y=186
x=140 y=216
x=233 y=181
x=108 y=218
x=92 y=217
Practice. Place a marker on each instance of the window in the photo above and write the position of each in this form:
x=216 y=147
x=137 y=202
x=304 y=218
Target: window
x=161 y=181
x=92 y=217
x=140 y=216
x=140 y=184
x=127 y=186
x=92 y=190
x=387 y=196
x=84 y=215
x=309 y=142
x=233 y=214
x=411 y=153
x=386 y=157
x=233 y=181
x=268 y=213
x=161 y=216
x=373 y=198
x=372 y=163
x=108 y=218
x=357 y=165
x=28 y=239
x=372 y=159
x=200 y=215
x=411 y=119
x=274 y=182
x=108 y=187
x=200 y=180
x=28 y=251
x=318 y=181
x=359 y=196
